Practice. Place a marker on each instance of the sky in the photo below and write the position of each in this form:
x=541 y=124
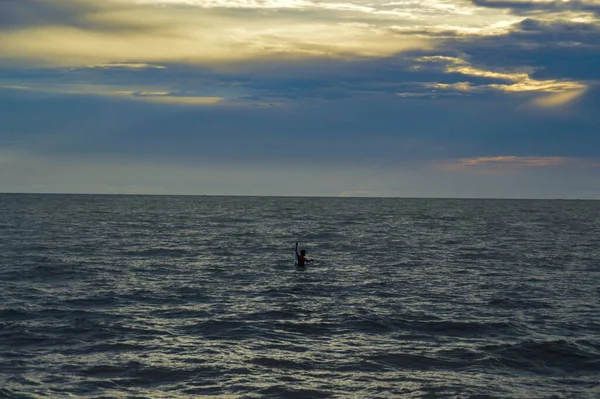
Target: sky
x=392 y=98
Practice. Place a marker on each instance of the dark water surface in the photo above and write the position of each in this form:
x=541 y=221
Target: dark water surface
x=182 y=297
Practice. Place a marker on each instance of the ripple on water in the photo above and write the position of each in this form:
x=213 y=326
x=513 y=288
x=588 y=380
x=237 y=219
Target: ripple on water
x=177 y=297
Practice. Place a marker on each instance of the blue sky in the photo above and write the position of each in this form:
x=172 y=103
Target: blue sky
x=432 y=98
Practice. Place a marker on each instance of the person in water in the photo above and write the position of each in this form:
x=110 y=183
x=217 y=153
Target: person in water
x=302 y=261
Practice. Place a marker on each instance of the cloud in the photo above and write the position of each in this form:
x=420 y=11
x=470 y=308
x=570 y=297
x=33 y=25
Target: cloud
x=366 y=94
x=180 y=100
x=80 y=33
x=538 y=6
x=549 y=49
x=238 y=35
x=62 y=46
x=561 y=92
x=120 y=92
x=512 y=164
x=445 y=30
x=19 y=14
x=127 y=65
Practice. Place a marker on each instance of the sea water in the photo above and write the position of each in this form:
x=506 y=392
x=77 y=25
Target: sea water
x=184 y=297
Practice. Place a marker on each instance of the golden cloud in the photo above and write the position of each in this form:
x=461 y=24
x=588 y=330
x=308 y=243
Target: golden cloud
x=458 y=86
x=126 y=65
x=181 y=100
x=131 y=94
x=559 y=92
x=123 y=34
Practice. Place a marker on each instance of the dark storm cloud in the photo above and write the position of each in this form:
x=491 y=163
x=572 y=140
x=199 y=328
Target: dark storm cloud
x=530 y=7
x=17 y=14
x=79 y=14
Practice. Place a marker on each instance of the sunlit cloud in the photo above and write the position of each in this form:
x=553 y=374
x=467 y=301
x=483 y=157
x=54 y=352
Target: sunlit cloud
x=222 y=43
x=511 y=164
x=144 y=33
x=514 y=160
x=458 y=86
x=132 y=34
x=444 y=30
x=559 y=92
x=409 y=9
x=125 y=65
x=181 y=100
x=123 y=93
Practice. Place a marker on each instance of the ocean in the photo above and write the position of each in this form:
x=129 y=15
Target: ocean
x=188 y=297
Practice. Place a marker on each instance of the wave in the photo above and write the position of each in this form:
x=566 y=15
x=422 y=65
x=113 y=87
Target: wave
x=517 y=303
x=137 y=374
x=220 y=329
x=109 y=347
x=407 y=361
x=96 y=301
x=183 y=297
x=12 y=314
x=306 y=328
x=18 y=336
x=286 y=391
x=553 y=356
x=279 y=363
x=429 y=327
x=161 y=252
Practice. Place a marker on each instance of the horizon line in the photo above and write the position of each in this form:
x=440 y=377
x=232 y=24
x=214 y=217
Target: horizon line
x=297 y=196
